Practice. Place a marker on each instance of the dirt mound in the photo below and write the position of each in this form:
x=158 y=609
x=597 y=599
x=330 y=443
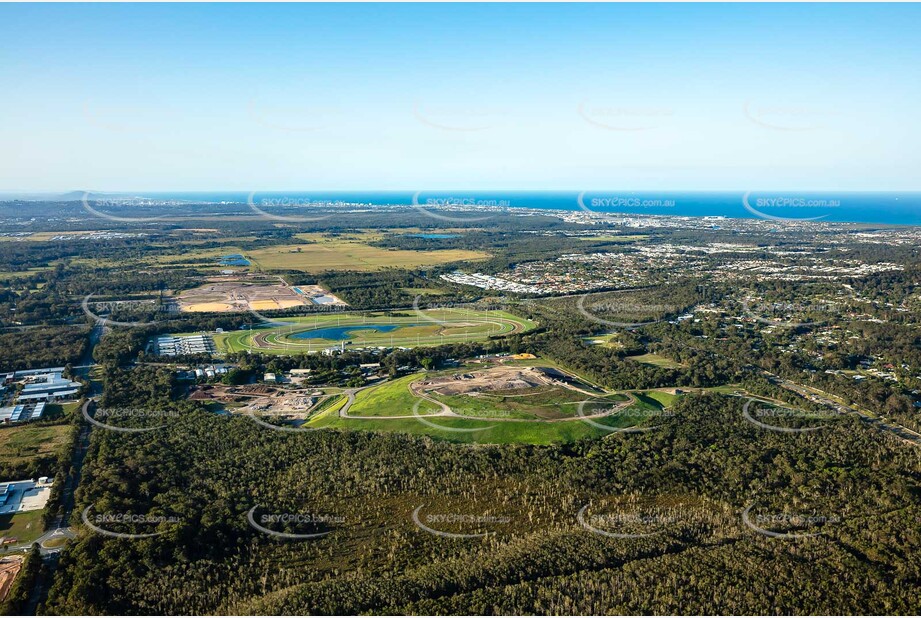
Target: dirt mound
x=9 y=569
x=494 y=379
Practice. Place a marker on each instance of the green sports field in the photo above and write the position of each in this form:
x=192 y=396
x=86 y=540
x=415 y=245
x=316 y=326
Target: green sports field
x=431 y=327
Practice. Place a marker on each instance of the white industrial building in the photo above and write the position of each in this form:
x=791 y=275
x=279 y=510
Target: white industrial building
x=39 y=386
x=48 y=387
x=28 y=495
x=169 y=345
x=22 y=412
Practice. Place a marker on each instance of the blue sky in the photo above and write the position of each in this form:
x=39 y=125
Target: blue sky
x=312 y=97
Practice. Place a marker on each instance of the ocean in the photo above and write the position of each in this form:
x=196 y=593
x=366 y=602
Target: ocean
x=887 y=208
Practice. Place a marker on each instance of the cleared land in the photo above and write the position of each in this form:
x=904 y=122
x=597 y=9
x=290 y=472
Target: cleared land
x=510 y=392
x=655 y=360
x=321 y=253
x=25 y=527
x=499 y=404
x=290 y=401
x=9 y=569
x=221 y=294
x=312 y=252
x=22 y=445
x=307 y=334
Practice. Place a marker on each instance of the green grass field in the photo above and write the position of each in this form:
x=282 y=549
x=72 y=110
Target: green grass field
x=24 y=444
x=495 y=432
x=25 y=527
x=657 y=399
x=390 y=399
x=655 y=360
x=504 y=419
x=374 y=329
x=547 y=403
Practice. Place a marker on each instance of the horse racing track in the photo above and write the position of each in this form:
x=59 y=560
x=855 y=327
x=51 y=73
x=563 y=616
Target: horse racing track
x=425 y=327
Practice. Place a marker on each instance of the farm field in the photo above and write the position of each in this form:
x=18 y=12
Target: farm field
x=317 y=253
x=19 y=274
x=320 y=253
x=308 y=334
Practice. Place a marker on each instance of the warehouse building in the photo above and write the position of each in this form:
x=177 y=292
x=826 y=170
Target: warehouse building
x=50 y=386
x=21 y=413
x=169 y=345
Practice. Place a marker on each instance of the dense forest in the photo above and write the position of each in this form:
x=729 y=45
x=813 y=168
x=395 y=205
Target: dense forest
x=857 y=489
x=42 y=347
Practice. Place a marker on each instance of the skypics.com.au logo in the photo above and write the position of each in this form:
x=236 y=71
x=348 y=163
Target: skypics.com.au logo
x=790 y=525
x=100 y=206
x=787 y=207
x=272 y=206
x=787 y=118
x=438 y=206
x=434 y=523
x=283 y=208
x=114 y=306
x=108 y=523
x=614 y=203
x=628 y=520
x=768 y=416
x=105 y=417
x=438 y=409
x=266 y=523
x=458 y=119
x=778 y=313
x=626 y=118
x=594 y=310
x=593 y=412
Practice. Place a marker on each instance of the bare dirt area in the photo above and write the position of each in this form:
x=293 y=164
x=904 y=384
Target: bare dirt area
x=509 y=393
x=9 y=569
x=498 y=381
x=260 y=398
x=223 y=294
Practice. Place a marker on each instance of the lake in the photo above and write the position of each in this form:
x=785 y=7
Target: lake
x=342 y=333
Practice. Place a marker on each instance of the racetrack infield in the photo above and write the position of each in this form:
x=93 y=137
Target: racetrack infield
x=311 y=334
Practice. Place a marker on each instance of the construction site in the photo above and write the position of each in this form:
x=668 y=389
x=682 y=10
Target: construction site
x=225 y=294
x=9 y=569
x=502 y=380
x=264 y=399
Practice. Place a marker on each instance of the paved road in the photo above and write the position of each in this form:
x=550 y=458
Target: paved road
x=819 y=396
x=54 y=533
x=60 y=526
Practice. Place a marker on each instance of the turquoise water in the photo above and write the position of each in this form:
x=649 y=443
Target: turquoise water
x=234 y=259
x=342 y=333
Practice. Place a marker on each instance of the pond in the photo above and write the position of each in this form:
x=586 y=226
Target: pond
x=343 y=333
